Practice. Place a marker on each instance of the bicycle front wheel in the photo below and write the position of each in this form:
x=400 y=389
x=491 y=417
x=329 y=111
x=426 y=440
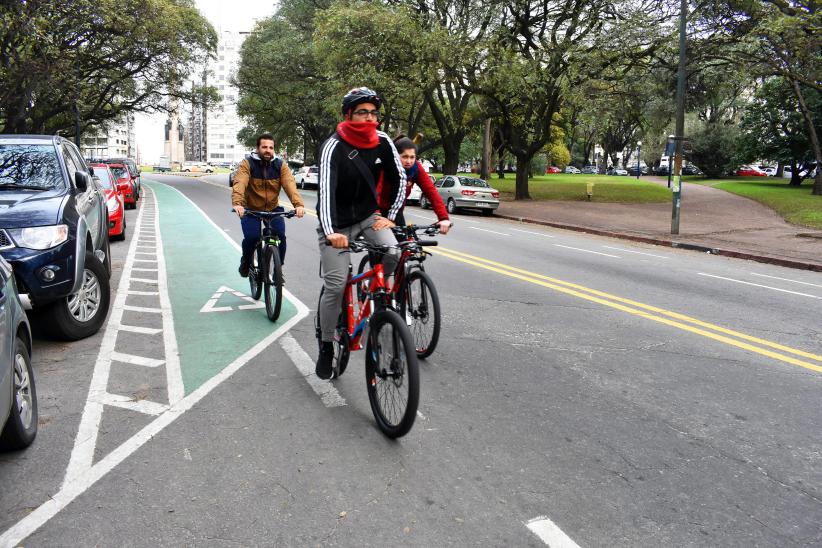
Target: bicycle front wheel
x=254 y=273
x=421 y=310
x=392 y=373
x=273 y=283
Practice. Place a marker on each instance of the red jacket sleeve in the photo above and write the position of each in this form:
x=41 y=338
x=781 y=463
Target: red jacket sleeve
x=429 y=191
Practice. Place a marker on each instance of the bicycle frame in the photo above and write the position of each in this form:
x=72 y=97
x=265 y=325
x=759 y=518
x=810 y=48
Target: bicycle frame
x=375 y=298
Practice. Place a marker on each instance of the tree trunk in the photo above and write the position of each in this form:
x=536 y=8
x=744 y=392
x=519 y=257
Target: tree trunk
x=485 y=168
x=521 y=187
x=814 y=138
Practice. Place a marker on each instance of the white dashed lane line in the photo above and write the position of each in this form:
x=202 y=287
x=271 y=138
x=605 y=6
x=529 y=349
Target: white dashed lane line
x=784 y=279
x=635 y=252
x=588 y=251
x=760 y=285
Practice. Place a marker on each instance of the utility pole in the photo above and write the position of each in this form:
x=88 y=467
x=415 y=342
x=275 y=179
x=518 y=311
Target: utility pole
x=680 y=122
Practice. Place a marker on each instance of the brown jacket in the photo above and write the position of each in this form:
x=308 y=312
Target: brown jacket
x=260 y=193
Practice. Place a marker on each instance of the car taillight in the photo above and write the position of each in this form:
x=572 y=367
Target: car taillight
x=467 y=192
x=495 y=194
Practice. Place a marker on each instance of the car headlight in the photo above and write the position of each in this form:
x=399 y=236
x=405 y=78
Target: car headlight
x=112 y=204
x=40 y=237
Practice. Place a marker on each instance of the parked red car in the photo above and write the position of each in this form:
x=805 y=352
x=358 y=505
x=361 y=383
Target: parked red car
x=553 y=169
x=114 y=202
x=750 y=171
x=125 y=184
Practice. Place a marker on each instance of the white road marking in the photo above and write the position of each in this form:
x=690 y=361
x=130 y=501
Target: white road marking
x=491 y=231
x=588 y=251
x=209 y=306
x=145 y=260
x=637 y=252
x=138 y=329
x=82 y=455
x=144 y=280
x=305 y=365
x=147 y=293
x=145 y=269
x=136 y=360
x=760 y=285
x=549 y=533
x=141 y=406
x=785 y=279
x=532 y=232
x=143 y=309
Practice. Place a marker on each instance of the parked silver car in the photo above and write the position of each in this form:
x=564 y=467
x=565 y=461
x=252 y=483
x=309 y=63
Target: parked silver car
x=18 y=397
x=467 y=192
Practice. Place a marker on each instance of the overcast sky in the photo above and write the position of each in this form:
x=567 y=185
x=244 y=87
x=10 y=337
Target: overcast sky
x=236 y=15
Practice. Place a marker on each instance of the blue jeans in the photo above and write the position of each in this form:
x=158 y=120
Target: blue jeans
x=252 y=230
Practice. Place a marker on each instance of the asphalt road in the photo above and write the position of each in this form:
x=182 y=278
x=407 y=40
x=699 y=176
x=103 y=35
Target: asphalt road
x=584 y=390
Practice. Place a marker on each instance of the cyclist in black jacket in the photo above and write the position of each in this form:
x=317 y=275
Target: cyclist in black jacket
x=352 y=162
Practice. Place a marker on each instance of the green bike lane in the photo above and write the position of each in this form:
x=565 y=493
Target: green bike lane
x=214 y=319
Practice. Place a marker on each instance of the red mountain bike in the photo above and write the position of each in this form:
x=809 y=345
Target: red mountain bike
x=391 y=368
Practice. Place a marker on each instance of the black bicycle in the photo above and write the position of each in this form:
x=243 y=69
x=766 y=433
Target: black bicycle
x=266 y=269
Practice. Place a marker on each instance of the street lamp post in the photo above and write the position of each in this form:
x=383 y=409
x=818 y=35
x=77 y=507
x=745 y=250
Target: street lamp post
x=680 y=121
x=638 y=158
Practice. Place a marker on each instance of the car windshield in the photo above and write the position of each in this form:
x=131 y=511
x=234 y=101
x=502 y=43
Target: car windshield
x=119 y=172
x=468 y=181
x=103 y=175
x=29 y=166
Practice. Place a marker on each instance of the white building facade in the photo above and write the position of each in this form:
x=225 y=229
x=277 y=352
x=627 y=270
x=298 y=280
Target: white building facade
x=116 y=140
x=223 y=123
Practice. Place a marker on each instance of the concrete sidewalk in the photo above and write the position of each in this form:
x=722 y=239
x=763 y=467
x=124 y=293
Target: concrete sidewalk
x=711 y=220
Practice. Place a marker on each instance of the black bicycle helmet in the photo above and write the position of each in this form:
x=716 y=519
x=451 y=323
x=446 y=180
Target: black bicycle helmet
x=357 y=96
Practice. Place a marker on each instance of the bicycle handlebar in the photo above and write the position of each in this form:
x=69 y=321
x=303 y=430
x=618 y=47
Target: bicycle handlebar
x=269 y=214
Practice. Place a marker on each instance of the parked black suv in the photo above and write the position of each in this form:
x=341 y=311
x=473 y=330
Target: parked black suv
x=54 y=231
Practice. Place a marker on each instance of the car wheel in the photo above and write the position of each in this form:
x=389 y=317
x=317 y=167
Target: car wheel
x=451 y=206
x=122 y=235
x=423 y=202
x=82 y=314
x=21 y=426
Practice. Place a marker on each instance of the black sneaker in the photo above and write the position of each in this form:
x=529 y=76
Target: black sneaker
x=324 y=369
x=243 y=269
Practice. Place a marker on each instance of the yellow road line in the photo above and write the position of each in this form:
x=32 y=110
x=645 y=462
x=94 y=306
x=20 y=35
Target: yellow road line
x=614 y=301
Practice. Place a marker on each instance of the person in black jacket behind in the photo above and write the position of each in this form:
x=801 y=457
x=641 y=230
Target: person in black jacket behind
x=352 y=161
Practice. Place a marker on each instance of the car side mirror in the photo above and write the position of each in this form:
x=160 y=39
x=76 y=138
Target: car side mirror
x=81 y=180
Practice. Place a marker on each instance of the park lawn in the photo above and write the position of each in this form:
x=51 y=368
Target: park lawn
x=569 y=187
x=795 y=204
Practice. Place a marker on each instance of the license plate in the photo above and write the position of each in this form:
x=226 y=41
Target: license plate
x=482 y=204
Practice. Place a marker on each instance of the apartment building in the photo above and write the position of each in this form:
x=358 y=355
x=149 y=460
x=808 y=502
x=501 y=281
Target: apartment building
x=115 y=140
x=222 y=121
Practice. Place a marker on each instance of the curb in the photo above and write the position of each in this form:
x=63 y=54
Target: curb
x=671 y=243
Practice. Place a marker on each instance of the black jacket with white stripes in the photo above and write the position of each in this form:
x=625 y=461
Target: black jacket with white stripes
x=344 y=196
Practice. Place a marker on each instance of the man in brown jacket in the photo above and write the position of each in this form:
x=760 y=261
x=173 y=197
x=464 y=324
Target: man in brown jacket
x=257 y=186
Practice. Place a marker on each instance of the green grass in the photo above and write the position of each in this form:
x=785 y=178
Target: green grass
x=567 y=187
x=795 y=204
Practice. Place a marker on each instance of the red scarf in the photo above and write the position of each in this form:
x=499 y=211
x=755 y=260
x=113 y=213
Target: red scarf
x=359 y=134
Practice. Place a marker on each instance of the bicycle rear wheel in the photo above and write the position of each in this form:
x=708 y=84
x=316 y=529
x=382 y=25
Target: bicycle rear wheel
x=273 y=283
x=392 y=373
x=420 y=307
x=254 y=276
x=341 y=338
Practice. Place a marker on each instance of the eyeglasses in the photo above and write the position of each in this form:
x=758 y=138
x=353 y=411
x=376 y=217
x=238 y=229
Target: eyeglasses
x=363 y=112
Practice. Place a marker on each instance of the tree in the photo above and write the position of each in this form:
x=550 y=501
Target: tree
x=778 y=38
x=282 y=88
x=775 y=129
x=91 y=61
x=714 y=148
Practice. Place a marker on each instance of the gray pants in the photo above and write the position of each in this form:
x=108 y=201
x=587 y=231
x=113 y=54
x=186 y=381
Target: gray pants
x=335 y=269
